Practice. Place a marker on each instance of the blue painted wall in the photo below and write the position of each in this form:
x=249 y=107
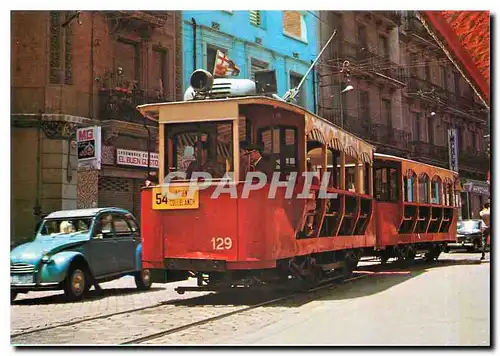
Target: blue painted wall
x=238 y=36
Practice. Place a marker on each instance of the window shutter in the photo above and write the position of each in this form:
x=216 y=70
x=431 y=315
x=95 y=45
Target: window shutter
x=255 y=17
x=257 y=65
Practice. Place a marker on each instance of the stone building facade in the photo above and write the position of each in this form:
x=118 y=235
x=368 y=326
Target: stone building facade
x=407 y=93
x=77 y=69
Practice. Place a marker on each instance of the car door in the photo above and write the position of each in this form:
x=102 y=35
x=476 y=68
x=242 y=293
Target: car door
x=103 y=257
x=127 y=241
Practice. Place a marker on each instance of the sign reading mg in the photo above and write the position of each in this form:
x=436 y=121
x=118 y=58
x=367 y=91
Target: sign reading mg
x=89 y=147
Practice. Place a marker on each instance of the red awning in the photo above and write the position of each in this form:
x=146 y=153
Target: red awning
x=465 y=38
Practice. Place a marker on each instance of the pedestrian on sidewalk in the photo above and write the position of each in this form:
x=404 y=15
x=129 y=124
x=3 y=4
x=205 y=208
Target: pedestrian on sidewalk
x=485 y=216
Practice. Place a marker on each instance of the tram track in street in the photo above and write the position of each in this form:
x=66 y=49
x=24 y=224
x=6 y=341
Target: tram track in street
x=328 y=285
x=179 y=313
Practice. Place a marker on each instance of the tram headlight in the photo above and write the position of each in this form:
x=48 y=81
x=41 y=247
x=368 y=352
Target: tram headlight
x=201 y=80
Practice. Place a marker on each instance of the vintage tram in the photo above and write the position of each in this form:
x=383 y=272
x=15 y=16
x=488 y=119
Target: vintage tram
x=376 y=205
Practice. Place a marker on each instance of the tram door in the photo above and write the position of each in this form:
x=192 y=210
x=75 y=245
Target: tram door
x=387 y=194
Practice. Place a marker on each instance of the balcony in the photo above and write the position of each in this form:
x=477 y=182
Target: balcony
x=373 y=64
x=474 y=160
x=152 y=18
x=430 y=151
x=384 y=135
x=426 y=90
x=412 y=29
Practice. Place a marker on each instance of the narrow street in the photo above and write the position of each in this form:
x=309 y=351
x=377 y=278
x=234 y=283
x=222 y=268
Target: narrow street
x=446 y=303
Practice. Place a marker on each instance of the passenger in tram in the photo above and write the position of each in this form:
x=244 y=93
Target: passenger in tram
x=204 y=164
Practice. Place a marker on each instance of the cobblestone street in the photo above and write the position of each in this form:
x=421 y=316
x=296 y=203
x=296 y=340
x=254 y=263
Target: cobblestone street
x=384 y=309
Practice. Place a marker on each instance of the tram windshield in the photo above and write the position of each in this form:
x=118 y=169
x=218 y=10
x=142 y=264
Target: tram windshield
x=200 y=147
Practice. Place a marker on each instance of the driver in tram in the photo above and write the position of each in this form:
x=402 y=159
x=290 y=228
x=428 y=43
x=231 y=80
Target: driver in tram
x=252 y=160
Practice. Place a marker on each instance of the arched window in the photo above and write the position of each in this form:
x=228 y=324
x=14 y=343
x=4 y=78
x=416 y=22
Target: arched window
x=423 y=188
x=436 y=190
x=410 y=182
x=448 y=192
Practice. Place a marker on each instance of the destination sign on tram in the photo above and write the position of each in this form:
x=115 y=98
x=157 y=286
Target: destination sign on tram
x=161 y=200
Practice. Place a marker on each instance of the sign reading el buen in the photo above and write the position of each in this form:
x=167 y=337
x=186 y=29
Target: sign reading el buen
x=137 y=158
x=89 y=147
x=453 y=149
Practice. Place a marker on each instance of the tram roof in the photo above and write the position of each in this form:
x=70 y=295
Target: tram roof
x=396 y=158
x=316 y=127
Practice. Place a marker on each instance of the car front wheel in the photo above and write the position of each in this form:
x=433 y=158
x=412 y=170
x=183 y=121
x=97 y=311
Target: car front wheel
x=76 y=283
x=143 y=279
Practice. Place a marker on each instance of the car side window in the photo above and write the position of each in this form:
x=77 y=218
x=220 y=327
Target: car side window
x=132 y=223
x=122 y=228
x=104 y=226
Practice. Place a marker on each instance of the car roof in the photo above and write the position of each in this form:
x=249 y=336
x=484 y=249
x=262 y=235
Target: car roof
x=470 y=220
x=84 y=212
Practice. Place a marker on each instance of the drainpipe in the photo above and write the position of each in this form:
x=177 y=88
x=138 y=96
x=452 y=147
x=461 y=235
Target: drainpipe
x=193 y=21
x=91 y=97
x=148 y=146
x=314 y=89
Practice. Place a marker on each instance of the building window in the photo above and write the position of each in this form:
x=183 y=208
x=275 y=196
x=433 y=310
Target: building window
x=126 y=57
x=427 y=69
x=294 y=82
x=444 y=77
x=413 y=65
x=430 y=129
x=457 y=82
x=211 y=56
x=159 y=73
x=416 y=130
x=255 y=17
x=60 y=49
x=294 y=24
x=386 y=112
x=256 y=66
x=384 y=46
x=362 y=36
x=364 y=106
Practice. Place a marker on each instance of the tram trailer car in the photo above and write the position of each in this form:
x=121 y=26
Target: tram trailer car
x=234 y=241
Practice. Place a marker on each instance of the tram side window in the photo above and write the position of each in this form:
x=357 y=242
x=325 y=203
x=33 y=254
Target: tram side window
x=280 y=147
x=436 y=190
x=350 y=173
x=333 y=164
x=409 y=189
x=423 y=188
x=365 y=178
x=448 y=194
x=386 y=184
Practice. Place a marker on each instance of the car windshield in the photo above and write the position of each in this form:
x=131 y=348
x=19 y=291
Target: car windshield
x=468 y=225
x=54 y=227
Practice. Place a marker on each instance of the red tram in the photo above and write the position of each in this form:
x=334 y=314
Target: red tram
x=377 y=205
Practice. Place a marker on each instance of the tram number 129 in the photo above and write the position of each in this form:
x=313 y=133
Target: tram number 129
x=222 y=243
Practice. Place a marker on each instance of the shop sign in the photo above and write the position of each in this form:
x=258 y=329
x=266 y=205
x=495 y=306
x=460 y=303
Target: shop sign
x=137 y=158
x=476 y=188
x=88 y=142
x=453 y=149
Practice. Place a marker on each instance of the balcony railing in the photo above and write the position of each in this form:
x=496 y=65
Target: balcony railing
x=429 y=150
x=121 y=103
x=475 y=160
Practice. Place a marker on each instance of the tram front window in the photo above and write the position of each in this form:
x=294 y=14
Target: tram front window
x=206 y=147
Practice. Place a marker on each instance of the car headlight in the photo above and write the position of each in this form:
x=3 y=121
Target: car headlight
x=45 y=258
